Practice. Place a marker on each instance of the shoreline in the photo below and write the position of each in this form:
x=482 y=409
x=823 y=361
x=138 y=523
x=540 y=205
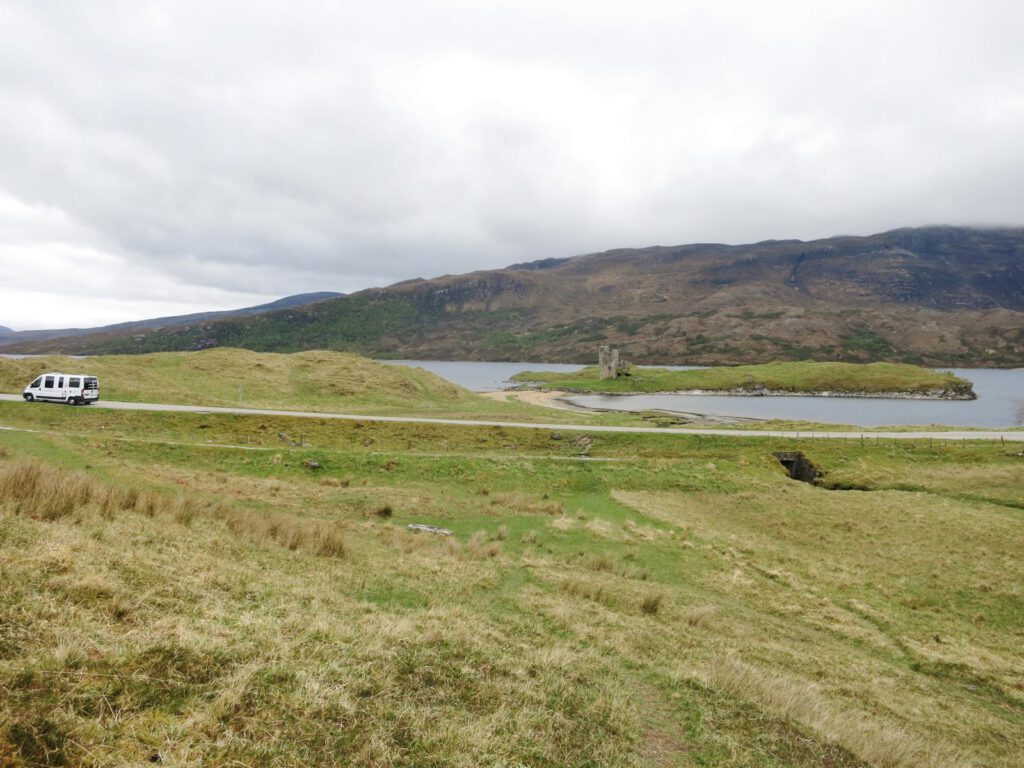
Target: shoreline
x=861 y=395
x=558 y=400
x=547 y=398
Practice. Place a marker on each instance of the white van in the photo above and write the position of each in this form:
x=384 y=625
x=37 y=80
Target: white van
x=70 y=388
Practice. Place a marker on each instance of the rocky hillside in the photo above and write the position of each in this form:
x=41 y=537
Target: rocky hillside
x=938 y=296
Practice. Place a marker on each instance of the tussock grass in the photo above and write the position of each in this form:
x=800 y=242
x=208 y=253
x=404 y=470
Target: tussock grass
x=563 y=523
x=588 y=590
x=702 y=616
x=316 y=537
x=35 y=490
x=651 y=604
x=600 y=562
x=521 y=503
x=44 y=492
x=482 y=546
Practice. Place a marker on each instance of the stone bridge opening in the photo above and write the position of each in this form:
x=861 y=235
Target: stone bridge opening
x=799 y=466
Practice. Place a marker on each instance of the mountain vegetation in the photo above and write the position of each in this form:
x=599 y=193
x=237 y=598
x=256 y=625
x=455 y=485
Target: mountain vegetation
x=298 y=300
x=946 y=296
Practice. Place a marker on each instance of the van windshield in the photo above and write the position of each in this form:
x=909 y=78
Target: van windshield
x=35 y=384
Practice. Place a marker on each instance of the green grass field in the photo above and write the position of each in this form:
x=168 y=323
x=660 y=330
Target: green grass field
x=307 y=381
x=341 y=383
x=806 y=376
x=182 y=589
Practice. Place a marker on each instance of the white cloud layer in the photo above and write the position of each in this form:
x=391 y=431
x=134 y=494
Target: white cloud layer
x=158 y=157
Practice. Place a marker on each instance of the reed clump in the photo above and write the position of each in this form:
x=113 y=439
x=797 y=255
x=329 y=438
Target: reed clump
x=309 y=535
x=44 y=492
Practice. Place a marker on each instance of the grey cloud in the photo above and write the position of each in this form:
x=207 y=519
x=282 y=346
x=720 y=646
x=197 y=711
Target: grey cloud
x=256 y=149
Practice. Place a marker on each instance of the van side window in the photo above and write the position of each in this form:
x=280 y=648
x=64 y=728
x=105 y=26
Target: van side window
x=35 y=384
x=60 y=382
x=74 y=383
x=48 y=383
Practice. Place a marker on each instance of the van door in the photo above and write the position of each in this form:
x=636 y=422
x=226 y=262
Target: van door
x=35 y=388
x=91 y=389
x=49 y=386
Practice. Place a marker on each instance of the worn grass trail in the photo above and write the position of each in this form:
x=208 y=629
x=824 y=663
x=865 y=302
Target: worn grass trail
x=672 y=602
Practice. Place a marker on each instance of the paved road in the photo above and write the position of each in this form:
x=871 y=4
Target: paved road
x=957 y=435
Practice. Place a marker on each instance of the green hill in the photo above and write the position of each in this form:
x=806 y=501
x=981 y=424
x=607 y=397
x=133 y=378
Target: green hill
x=308 y=381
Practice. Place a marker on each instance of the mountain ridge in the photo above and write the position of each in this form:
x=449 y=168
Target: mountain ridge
x=931 y=295
x=299 y=299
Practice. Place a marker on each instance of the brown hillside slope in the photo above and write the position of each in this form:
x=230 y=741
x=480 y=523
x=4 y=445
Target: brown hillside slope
x=938 y=295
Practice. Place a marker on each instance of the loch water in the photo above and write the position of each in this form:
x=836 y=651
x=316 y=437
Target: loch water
x=999 y=393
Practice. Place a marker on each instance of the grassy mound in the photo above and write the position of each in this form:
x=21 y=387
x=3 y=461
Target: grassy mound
x=317 y=381
x=806 y=376
x=239 y=377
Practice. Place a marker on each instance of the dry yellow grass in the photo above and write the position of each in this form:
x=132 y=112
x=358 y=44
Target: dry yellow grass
x=871 y=738
x=870 y=672
x=43 y=492
x=720 y=616
x=231 y=655
x=318 y=537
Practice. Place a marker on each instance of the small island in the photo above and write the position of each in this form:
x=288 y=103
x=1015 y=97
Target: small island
x=807 y=378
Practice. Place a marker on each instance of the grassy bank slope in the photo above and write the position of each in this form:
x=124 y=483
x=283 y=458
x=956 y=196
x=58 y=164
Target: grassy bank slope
x=663 y=601
x=240 y=377
x=309 y=381
x=806 y=376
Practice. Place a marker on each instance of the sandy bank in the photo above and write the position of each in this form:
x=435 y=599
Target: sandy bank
x=546 y=398
x=556 y=399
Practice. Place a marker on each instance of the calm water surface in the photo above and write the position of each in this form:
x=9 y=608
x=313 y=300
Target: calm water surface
x=998 y=392
x=482 y=377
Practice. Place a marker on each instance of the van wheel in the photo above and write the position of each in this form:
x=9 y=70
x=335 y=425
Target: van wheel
x=71 y=401
x=29 y=397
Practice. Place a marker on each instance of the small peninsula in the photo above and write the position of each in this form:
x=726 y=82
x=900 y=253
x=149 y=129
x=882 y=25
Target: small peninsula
x=808 y=378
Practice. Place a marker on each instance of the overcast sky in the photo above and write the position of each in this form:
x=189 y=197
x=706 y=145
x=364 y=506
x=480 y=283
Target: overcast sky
x=167 y=157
